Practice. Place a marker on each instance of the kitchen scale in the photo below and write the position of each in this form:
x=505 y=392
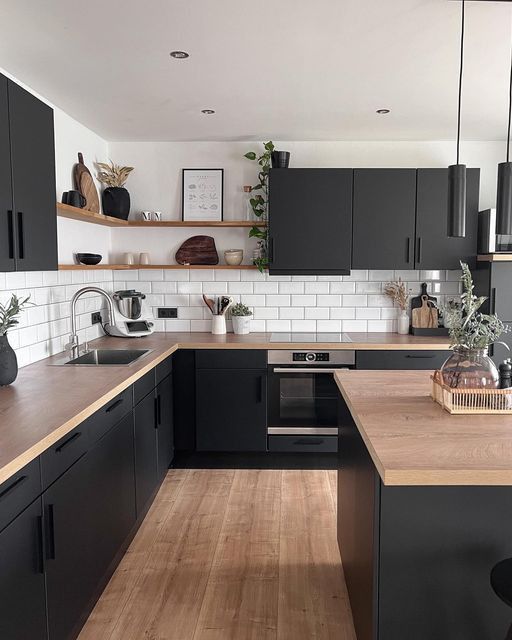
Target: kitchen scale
x=132 y=315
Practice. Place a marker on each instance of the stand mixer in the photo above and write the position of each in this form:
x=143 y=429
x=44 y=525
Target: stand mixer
x=132 y=315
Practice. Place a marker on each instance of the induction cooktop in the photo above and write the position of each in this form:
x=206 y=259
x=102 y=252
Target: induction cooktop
x=295 y=337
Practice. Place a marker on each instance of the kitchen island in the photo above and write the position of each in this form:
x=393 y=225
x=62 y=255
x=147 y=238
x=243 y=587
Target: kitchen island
x=424 y=510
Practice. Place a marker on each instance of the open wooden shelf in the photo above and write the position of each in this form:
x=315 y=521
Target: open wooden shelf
x=67 y=211
x=127 y=267
x=495 y=257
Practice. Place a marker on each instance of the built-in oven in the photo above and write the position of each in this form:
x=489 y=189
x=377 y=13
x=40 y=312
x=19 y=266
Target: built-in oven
x=303 y=399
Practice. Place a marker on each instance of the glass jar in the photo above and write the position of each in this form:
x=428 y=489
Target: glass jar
x=470 y=369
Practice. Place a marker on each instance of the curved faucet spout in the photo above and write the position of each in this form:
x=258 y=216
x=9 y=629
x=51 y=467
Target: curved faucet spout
x=73 y=343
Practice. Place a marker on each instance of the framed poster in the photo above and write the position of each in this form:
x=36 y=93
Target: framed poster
x=202 y=195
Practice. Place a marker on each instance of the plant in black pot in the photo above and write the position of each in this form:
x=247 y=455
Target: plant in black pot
x=115 y=199
x=8 y=319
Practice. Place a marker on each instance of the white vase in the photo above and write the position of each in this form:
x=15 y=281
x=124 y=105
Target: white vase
x=403 y=323
x=218 y=325
x=241 y=324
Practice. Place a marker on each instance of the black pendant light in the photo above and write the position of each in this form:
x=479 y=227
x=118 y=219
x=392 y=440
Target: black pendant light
x=457 y=172
x=504 y=195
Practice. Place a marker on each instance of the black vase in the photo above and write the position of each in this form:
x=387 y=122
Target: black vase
x=116 y=202
x=8 y=362
x=280 y=159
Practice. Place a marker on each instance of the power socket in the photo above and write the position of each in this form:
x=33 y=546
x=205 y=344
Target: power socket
x=167 y=312
x=96 y=317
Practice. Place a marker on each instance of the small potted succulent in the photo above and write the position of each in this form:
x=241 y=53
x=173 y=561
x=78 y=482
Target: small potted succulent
x=115 y=199
x=8 y=319
x=241 y=318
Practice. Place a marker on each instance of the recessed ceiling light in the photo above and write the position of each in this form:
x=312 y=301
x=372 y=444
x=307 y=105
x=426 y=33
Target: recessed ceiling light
x=179 y=54
x=383 y=111
x=208 y=112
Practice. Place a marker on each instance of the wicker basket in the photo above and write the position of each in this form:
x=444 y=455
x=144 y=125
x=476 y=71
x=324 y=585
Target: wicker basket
x=471 y=401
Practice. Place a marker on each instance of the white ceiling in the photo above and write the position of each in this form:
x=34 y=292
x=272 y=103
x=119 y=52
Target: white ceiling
x=282 y=69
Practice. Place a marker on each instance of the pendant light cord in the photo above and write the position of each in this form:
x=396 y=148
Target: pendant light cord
x=460 y=81
x=509 y=106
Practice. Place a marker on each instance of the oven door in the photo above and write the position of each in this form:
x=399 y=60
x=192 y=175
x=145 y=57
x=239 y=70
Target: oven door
x=302 y=398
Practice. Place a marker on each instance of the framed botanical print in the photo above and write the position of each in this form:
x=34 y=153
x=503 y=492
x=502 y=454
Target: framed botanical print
x=202 y=195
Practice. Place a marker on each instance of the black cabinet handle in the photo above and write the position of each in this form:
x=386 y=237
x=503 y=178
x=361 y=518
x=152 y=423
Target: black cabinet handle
x=21 y=236
x=492 y=301
x=408 y=250
x=259 y=395
x=305 y=441
x=62 y=446
x=10 y=234
x=156 y=421
x=40 y=549
x=50 y=540
x=271 y=250
x=419 y=357
x=18 y=482
x=159 y=408
x=418 y=256
x=114 y=405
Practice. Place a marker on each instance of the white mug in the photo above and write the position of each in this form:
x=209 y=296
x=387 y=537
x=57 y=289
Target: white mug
x=156 y=216
x=129 y=258
x=146 y=215
x=144 y=258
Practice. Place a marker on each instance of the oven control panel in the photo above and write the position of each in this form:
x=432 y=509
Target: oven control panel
x=301 y=356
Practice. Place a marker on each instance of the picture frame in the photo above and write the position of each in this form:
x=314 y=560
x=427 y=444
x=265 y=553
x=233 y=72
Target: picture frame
x=202 y=195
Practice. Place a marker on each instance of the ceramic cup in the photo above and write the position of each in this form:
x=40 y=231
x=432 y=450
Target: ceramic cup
x=234 y=257
x=144 y=258
x=129 y=258
x=145 y=216
x=156 y=216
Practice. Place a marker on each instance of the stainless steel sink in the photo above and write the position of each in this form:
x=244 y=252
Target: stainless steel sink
x=109 y=357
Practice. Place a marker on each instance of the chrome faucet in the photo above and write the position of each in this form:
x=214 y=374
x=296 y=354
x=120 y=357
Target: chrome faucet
x=73 y=345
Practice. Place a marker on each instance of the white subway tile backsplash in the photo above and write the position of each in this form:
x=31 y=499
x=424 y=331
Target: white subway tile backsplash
x=291 y=313
x=305 y=300
x=215 y=288
x=266 y=287
x=433 y=275
x=164 y=287
x=201 y=325
x=292 y=287
x=356 y=300
x=368 y=287
x=256 y=300
x=190 y=287
x=316 y=287
x=226 y=275
x=381 y=325
x=304 y=325
x=240 y=287
x=266 y=313
x=329 y=300
x=342 y=287
x=355 y=325
x=356 y=275
x=279 y=325
x=316 y=313
x=190 y=313
x=275 y=300
x=202 y=275
x=329 y=326
x=343 y=313
x=368 y=313
x=177 y=275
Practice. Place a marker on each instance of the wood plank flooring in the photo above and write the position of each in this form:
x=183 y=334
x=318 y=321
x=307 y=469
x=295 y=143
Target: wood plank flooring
x=231 y=555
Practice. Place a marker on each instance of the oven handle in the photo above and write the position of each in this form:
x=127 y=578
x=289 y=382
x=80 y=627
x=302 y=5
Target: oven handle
x=307 y=370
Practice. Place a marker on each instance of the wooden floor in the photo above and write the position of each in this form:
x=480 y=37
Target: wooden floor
x=231 y=555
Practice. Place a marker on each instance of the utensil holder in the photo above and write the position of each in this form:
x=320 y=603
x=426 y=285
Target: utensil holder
x=218 y=325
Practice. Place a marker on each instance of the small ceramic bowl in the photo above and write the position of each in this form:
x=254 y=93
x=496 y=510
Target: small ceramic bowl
x=233 y=257
x=89 y=258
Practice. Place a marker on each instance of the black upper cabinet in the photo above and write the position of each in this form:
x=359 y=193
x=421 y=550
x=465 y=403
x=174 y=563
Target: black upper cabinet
x=384 y=206
x=433 y=248
x=310 y=221
x=28 y=220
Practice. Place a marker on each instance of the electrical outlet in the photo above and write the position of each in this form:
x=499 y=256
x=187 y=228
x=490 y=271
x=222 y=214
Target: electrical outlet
x=167 y=312
x=96 y=317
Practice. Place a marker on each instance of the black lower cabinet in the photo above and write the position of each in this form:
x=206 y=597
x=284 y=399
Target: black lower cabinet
x=22 y=584
x=401 y=359
x=231 y=410
x=146 y=462
x=165 y=426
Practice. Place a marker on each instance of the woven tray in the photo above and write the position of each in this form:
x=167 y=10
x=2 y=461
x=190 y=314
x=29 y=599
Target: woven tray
x=471 y=401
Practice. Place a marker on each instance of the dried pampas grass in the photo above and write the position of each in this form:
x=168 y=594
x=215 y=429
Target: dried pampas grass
x=398 y=293
x=113 y=175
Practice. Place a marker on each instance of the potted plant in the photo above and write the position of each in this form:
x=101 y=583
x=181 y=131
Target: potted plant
x=471 y=333
x=400 y=296
x=8 y=319
x=115 y=199
x=241 y=318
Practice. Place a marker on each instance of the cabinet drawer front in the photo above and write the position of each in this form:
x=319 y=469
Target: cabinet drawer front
x=64 y=453
x=19 y=491
x=303 y=444
x=231 y=359
x=163 y=370
x=143 y=386
x=400 y=359
x=109 y=415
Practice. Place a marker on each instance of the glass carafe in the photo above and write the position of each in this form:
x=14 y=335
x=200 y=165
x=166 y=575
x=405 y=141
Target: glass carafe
x=470 y=369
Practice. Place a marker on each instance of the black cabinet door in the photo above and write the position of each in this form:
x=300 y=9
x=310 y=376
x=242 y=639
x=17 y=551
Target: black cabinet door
x=500 y=295
x=22 y=588
x=384 y=218
x=112 y=487
x=7 y=262
x=310 y=219
x=69 y=553
x=165 y=430
x=434 y=249
x=145 y=450
x=428 y=360
x=33 y=176
x=231 y=410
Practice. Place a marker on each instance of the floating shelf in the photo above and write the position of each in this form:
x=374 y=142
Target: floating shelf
x=75 y=213
x=495 y=257
x=128 y=267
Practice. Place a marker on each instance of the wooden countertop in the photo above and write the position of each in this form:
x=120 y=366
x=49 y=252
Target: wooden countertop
x=46 y=402
x=413 y=441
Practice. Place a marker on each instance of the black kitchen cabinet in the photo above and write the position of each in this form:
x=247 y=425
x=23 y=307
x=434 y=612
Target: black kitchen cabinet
x=28 y=218
x=165 y=425
x=231 y=410
x=384 y=212
x=22 y=583
x=428 y=360
x=310 y=221
x=146 y=450
x=433 y=248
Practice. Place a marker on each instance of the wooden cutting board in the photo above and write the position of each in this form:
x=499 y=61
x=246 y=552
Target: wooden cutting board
x=85 y=184
x=426 y=316
x=198 y=250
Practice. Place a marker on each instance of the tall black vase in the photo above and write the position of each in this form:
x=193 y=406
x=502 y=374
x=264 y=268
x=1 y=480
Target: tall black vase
x=116 y=202
x=8 y=362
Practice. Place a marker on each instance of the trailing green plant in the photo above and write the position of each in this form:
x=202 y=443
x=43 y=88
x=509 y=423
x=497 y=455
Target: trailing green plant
x=9 y=312
x=240 y=309
x=470 y=328
x=259 y=201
